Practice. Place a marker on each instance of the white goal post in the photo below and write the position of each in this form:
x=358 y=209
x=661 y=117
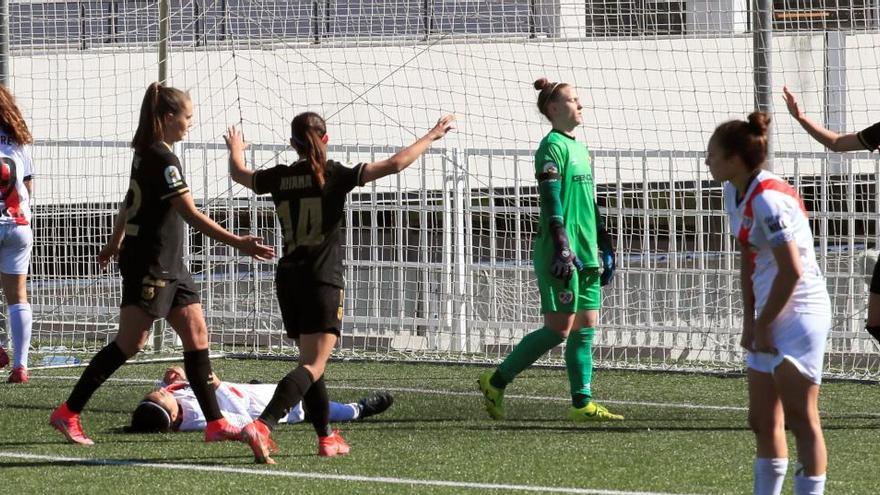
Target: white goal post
x=439 y=257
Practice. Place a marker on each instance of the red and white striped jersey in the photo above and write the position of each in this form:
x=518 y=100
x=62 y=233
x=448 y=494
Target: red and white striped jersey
x=770 y=214
x=15 y=168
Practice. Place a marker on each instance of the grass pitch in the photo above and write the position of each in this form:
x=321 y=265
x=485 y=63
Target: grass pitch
x=682 y=434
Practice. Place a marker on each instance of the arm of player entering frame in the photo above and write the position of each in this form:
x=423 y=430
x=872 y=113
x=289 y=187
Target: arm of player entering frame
x=248 y=244
x=828 y=138
x=237 y=169
x=405 y=157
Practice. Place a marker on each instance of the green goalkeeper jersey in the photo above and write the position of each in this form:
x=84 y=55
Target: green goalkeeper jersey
x=572 y=160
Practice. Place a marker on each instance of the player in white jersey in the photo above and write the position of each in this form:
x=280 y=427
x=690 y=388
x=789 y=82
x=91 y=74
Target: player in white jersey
x=16 y=237
x=867 y=139
x=173 y=406
x=786 y=308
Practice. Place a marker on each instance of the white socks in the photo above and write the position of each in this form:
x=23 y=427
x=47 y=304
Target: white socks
x=20 y=319
x=808 y=485
x=769 y=475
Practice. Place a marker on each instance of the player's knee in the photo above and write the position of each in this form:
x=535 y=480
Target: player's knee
x=764 y=425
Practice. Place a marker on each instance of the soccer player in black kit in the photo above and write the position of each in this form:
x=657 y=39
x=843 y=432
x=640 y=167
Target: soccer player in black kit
x=309 y=197
x=148 y=240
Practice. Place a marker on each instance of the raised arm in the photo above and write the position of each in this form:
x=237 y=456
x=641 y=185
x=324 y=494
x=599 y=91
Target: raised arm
x=405 y=157
x=828 y=138
x=248 y=244
x=237 y=169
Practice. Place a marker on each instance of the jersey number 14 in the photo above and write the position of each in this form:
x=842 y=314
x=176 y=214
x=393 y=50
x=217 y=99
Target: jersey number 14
x=308 y=224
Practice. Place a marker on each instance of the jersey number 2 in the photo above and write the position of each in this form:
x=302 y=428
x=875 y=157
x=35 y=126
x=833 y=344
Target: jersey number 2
x=308 y=224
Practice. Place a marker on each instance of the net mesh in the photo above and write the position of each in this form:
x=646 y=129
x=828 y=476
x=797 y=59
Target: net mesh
x=439 y=257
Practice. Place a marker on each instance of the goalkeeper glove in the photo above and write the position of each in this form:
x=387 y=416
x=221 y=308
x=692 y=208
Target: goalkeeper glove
x=609 y=261
x=563 y=264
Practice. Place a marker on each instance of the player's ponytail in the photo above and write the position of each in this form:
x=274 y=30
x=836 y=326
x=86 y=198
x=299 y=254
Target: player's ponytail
x=748 y=140
x=11 y=121
x=308 y=133
x=549 y=91
x=158 y=101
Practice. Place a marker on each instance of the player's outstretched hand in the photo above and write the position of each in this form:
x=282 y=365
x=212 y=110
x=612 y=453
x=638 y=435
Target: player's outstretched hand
x=234 y=141
x=251 y=245
x=107 y=253
x=791 y=103
x=444 y=125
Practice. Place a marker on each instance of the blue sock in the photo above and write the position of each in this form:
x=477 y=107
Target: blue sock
x=344 y=412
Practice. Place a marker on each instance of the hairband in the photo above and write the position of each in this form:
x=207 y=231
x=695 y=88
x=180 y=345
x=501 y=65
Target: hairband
x=153 y=404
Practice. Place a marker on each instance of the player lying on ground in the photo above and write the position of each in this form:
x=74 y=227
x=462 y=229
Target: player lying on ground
x=173 y=406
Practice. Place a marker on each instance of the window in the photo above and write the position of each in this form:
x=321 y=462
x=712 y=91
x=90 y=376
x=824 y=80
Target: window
x=635 y=17
x=822 y=15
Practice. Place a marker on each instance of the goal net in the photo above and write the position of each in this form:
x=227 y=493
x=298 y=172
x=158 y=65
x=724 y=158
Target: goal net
x=439 y=257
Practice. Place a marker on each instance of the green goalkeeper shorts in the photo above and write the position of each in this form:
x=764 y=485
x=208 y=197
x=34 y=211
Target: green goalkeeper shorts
x=580 y=293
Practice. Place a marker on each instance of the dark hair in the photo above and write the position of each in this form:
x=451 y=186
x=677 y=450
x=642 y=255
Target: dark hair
x=150 y=417
x=748 y=140
x=549 y=91
x=158 y=101
x=306 y=131
x=11 y=121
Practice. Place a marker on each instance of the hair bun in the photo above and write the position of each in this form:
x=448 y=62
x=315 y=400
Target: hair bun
x=759 y=123
x=542 y=83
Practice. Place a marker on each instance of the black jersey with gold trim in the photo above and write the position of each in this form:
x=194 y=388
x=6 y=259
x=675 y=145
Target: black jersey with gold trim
x=870 y=137
x=310 y=215
x=153 y=230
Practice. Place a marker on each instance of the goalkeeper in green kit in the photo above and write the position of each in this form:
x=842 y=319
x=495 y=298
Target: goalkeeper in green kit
x=573 y=257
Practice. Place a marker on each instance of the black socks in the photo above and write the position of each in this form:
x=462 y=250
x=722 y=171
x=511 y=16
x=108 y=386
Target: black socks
x=316 y=404
x=104 y=364
x=290 y=390
x=197 y=365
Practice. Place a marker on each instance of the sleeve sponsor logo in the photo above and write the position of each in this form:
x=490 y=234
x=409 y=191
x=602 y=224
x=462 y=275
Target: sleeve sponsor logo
x=775 y=224
x=173 y=177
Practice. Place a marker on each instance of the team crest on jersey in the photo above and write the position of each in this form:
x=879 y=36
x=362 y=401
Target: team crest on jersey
x=172 y=176
x=565 y=297
x=148 y=293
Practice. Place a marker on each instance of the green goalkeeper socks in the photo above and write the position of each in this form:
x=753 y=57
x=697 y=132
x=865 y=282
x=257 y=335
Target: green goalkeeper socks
x=529 y=349
x=579 y=365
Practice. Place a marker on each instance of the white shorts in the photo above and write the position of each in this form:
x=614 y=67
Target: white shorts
x=16 y=242
x=800 y=338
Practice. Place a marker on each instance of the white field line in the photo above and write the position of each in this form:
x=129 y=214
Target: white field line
x=319 y=476
x=675 y=405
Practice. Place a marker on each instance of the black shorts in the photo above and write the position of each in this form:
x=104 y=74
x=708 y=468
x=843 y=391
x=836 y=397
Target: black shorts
x=875 y=280
x=157 y=296
x=308 y=306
